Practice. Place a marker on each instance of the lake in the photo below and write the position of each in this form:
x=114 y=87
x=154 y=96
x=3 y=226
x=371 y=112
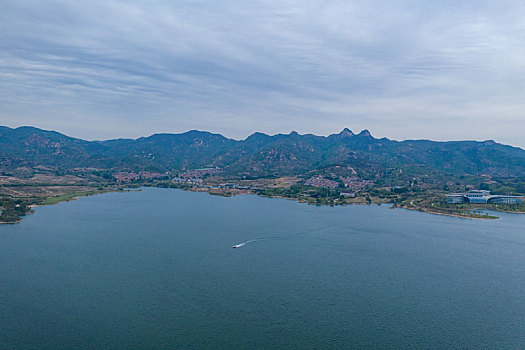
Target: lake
x=156 y=269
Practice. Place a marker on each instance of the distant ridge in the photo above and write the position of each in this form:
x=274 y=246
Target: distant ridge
x=259 y=154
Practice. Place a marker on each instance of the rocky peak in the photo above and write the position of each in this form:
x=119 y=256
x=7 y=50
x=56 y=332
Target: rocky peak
x=346 y=133
x=365 y=133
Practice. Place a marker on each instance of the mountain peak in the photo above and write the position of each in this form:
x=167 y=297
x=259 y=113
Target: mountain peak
x=346 y=133
x=365 y=133
x=258 y=136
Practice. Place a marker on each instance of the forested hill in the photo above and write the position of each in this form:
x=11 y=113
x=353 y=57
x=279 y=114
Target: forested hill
x=259 y=154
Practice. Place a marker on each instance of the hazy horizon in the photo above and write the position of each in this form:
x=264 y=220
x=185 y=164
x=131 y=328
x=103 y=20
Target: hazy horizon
x=402 y=69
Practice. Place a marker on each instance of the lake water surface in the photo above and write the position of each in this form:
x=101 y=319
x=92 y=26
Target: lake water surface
x=156 y=269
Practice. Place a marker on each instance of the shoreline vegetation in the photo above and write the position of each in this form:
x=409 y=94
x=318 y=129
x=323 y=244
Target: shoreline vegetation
x=464 y=211
x=13 y=210
x=29 y=196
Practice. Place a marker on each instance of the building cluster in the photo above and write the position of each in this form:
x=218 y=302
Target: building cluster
x=187 y=180
x=321 y=182
x=134 y=176
x=347 y=194
x=482 y=197
x=194 y=177
x=356 y=184
x=199 y=173
x=235 y=186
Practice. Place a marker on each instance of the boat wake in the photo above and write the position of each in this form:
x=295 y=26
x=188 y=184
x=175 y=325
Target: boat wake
x=279 y=238
x=244 y=243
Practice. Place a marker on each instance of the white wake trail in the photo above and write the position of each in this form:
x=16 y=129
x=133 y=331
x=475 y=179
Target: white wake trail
x=244 y=243
x=283 y=238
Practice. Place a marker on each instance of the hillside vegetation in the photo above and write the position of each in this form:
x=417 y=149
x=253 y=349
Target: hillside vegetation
x=260 y=155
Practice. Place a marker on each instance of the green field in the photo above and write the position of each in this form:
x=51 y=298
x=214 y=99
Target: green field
x=69 y=197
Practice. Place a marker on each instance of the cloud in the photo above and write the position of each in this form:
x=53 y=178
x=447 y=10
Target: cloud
x=404 y=69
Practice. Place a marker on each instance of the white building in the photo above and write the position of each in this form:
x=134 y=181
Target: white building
x=482 y=197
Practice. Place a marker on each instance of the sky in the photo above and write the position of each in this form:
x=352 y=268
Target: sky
x=100 y=69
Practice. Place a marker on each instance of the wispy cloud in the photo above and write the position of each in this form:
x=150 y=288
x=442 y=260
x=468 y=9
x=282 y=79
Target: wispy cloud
x=405 y=69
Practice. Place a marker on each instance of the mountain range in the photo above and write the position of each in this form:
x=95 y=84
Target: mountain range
x=259 y=154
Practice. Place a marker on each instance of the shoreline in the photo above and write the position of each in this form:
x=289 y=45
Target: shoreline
x=393 y=205
x=66 y=198
x=501 y=211
x=452 y=215
x=231 y=193
x=11 y=222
